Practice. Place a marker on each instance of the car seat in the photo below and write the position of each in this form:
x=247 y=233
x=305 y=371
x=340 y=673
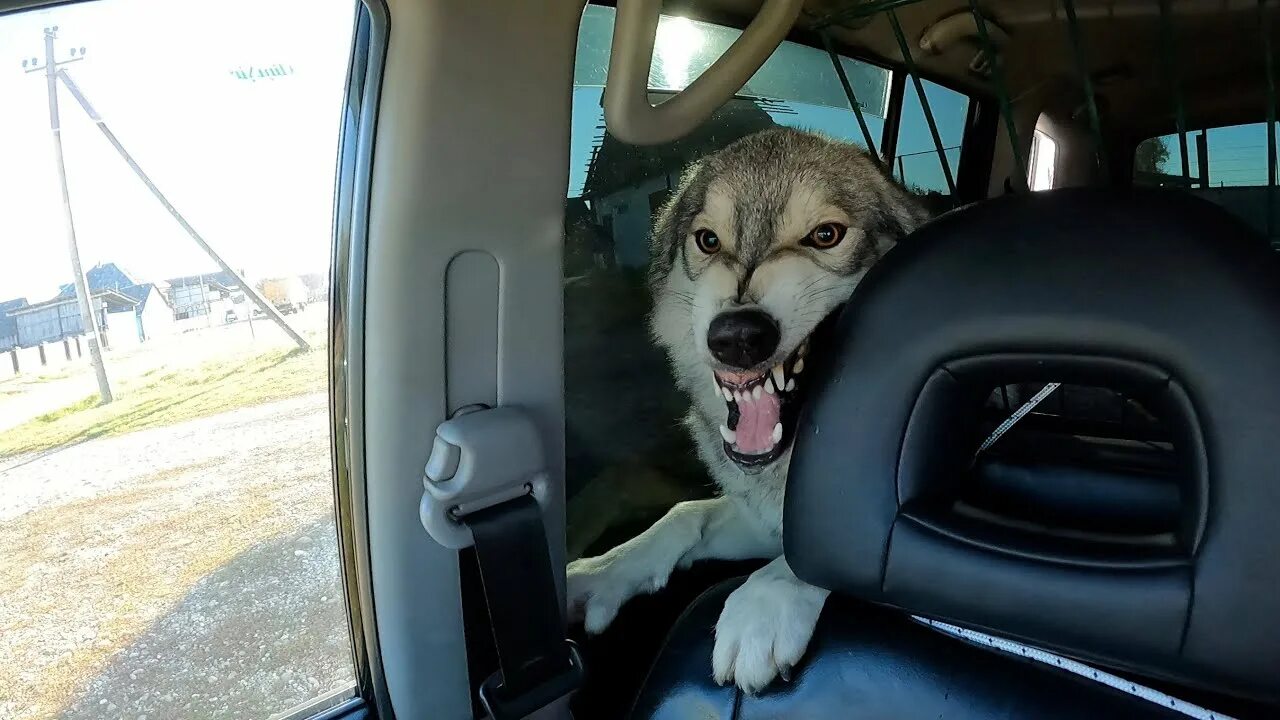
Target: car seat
x=1158 y=574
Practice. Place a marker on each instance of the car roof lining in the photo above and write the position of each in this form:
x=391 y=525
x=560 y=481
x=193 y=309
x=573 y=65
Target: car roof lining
x=1121 y=41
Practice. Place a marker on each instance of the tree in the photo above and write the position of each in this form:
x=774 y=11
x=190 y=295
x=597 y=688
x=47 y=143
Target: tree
x=1150 y=156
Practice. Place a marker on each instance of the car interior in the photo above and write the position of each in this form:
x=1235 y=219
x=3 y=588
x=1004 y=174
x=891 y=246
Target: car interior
x=505 y=163
x=1096 y=296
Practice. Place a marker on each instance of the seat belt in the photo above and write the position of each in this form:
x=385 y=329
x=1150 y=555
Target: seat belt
x=536 y=663
x=486 y=482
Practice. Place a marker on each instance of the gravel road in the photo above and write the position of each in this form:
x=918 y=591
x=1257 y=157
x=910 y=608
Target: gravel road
x=189 y=571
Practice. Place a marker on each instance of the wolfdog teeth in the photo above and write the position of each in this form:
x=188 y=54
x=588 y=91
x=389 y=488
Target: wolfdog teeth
x=777 y=433
x=768 y=385
x=798 y=367
x=779 y=377
x=728 y=394
x=757 y=392
x=729 y=436
x=791 y=384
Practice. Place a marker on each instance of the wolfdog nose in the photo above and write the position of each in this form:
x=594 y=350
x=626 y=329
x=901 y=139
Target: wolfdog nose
x=743 y=338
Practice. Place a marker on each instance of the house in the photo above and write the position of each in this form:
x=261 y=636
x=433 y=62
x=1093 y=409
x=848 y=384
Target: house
x=197 y=295
x=59 y=318
x=153 y=316
x=128 y=312
x=103 y=276
x=9 y=324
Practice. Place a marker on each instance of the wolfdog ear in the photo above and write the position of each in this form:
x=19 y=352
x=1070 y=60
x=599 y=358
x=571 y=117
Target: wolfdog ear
x=676 y=213
x=899 y=214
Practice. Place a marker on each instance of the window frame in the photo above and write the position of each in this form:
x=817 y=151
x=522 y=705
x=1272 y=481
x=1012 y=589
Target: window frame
x=971 y=176
x=1195 y=156
x=346 y=359
x=371 y=31
x=977 y=149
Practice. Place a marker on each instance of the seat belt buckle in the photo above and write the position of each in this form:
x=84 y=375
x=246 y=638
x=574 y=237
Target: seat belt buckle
x=479 y=459
x=486 y=485
x=503 y=703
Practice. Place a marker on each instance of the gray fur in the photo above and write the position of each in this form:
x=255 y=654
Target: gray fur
x=761 y=195
x=762 y=171
x=763 y=167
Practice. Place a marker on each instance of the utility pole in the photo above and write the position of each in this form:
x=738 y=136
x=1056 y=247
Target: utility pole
x=88 y=317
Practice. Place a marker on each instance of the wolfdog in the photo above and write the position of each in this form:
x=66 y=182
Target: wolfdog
x=761 y=242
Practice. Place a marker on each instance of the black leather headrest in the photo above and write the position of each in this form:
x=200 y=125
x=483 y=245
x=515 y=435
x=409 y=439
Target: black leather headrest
x=1160 y=297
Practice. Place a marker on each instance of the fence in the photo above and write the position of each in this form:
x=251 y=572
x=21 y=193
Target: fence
x=43 y=357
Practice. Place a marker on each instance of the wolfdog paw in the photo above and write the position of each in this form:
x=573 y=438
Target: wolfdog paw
x=597 y=587
x=765 y=627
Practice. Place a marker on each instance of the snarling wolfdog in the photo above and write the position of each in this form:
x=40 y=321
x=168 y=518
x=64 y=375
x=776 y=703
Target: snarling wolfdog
x=762 y=241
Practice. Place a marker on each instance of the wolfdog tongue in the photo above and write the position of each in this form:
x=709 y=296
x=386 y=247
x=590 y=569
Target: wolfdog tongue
x=756 y=419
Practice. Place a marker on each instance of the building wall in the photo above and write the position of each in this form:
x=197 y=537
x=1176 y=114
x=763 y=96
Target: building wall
x=29 y=359
x=198 y=322
x=122 y=329
x=48 y=323
x=7 y=360
x=631 y=219
x=9 y=324
x=52 y=323
x=191 y=300
x=156 y=319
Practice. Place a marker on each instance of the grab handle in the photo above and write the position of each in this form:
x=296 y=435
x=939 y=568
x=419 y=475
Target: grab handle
x=627 y=113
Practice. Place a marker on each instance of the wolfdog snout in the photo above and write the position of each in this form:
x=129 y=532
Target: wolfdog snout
x=743 y=338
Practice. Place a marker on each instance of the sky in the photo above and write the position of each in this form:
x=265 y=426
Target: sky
x=249 y=163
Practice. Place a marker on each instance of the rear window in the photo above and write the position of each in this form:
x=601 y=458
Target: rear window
x=916 y=164
x=1226 y=165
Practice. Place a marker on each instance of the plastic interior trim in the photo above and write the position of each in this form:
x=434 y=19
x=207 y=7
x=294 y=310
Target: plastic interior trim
x=628 y=115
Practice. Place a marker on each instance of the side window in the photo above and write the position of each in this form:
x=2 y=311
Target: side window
x=916 y=163
x=166 y=485
x=628 y=458
x=1226 y=165
x=1043 y=161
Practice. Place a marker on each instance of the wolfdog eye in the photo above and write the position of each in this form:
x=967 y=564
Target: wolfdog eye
x=825 y=236
x=707 y=241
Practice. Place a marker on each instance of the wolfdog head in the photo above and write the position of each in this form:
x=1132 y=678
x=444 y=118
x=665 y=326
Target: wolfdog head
x=760 y=243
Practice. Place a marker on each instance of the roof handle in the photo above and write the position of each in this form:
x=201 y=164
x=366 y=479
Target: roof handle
x=627 y=113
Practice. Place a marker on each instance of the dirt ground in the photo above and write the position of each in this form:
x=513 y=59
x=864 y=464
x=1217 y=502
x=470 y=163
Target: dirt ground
x=188 y=571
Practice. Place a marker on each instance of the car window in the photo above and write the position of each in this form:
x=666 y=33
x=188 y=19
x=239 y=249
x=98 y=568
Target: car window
x=1043 y=162
x=1227 y=166
x=171 y=553
x=917 y=164
x=627 y=457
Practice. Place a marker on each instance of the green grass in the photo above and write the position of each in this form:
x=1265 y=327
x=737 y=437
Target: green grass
x=89 y=401
x=155 y=400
